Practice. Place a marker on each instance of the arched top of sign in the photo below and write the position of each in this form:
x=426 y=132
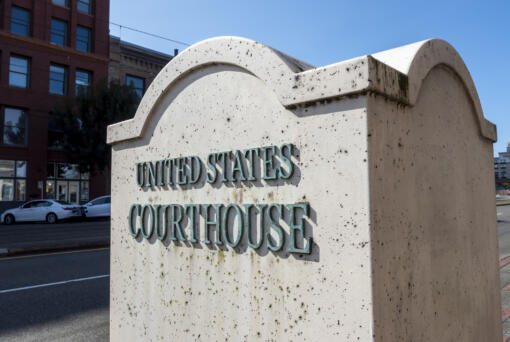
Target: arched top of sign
x=397 y=74
x=418 y=59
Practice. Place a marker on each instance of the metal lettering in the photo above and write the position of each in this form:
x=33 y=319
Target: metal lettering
x=193 y=209
x=176 y=223
x=147 y=233
x=286 y=159
x=180 y=164
x=211 y=178
x=298 y=227
x=140 y=174
x=134 y=232
x=195 y=169
x=240 y=225
x=273 y=223
x=269 y=171
x=251 y=153
x=209 y=222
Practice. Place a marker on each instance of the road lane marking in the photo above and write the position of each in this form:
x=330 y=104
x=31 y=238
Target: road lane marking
x=52 y=253
x=53 y=284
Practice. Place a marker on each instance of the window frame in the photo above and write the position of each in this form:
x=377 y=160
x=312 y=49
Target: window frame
x=135 y=88
x=27 y=75
x=16 y=22
x=44 y=204
x=57 y=34
x=3 y=125
x=82 y=178
x=89 y=7
x=89 y=38
x=76 y=85
x=99 y=201
x=53 y=128
x=15 y=179
x=65 y=81
x=28 y=205
x=66 y=3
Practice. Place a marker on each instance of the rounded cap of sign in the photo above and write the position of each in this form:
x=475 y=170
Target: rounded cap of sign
x=397 y=74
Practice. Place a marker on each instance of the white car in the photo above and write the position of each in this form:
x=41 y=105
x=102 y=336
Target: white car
x=41 y=210
x=98 y=207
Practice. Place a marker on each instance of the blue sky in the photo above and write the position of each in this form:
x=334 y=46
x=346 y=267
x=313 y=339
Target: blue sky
x=325 y=32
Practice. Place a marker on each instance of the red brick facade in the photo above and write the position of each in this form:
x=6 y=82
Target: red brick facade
x=36 y=100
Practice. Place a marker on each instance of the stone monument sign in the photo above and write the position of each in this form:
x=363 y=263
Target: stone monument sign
x=256 y=197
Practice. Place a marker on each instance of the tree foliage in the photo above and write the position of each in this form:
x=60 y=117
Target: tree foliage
x=84 y=118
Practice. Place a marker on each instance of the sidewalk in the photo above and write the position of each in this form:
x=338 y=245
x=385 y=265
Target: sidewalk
x=504 y=265
x=503 y=202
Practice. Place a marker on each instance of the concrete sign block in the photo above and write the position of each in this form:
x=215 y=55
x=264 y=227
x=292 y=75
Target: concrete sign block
x=257 y=197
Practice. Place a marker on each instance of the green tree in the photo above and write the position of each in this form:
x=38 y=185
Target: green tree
x=82 y=121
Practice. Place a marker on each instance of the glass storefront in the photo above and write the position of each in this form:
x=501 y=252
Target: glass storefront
x=62 y=191
x=21 y=185
x=74 y=189
x=13 y=180
x=84 y=191
x=7 y=189
x=50 y=189
x=65 y=182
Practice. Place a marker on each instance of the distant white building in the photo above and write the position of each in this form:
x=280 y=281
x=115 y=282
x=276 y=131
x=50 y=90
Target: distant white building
x=502 y=164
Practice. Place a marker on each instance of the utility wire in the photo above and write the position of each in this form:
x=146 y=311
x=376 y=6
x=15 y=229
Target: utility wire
x=115 y=24
x=150 y=34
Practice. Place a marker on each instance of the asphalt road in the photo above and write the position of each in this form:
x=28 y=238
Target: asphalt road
x=44 y=235
x=65 y=296
x=56 y=297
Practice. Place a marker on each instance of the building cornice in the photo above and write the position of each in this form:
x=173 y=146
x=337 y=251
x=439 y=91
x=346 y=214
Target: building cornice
x=53 y=48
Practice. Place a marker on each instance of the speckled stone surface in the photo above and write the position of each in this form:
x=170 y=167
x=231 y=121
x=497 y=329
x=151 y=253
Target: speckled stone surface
x=392 y=154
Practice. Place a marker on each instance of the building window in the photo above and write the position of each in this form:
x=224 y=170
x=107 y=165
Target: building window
x=13 y=174
x=19 y=72
x=83 y=81
x=58 y=79
x=55 y=135
x=14 y=126
x=85 y=6
x=82 y=39
x=60 y=2
x=58 y=32
x=20 y=21
x=65 y=182
x=137 y=83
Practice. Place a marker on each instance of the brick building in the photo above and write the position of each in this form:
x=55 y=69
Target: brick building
x=48 y=50
x=134 y=64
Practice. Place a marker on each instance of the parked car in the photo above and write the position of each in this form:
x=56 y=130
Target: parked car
x=98 y=207
x=41 y=210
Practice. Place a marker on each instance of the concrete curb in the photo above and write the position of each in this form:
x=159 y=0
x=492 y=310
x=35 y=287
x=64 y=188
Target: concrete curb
x=9 y=252
x=504 y=202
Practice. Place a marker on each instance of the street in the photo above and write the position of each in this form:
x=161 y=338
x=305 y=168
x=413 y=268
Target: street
x=64 y=296
x=37 y=236
x=55 y=297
